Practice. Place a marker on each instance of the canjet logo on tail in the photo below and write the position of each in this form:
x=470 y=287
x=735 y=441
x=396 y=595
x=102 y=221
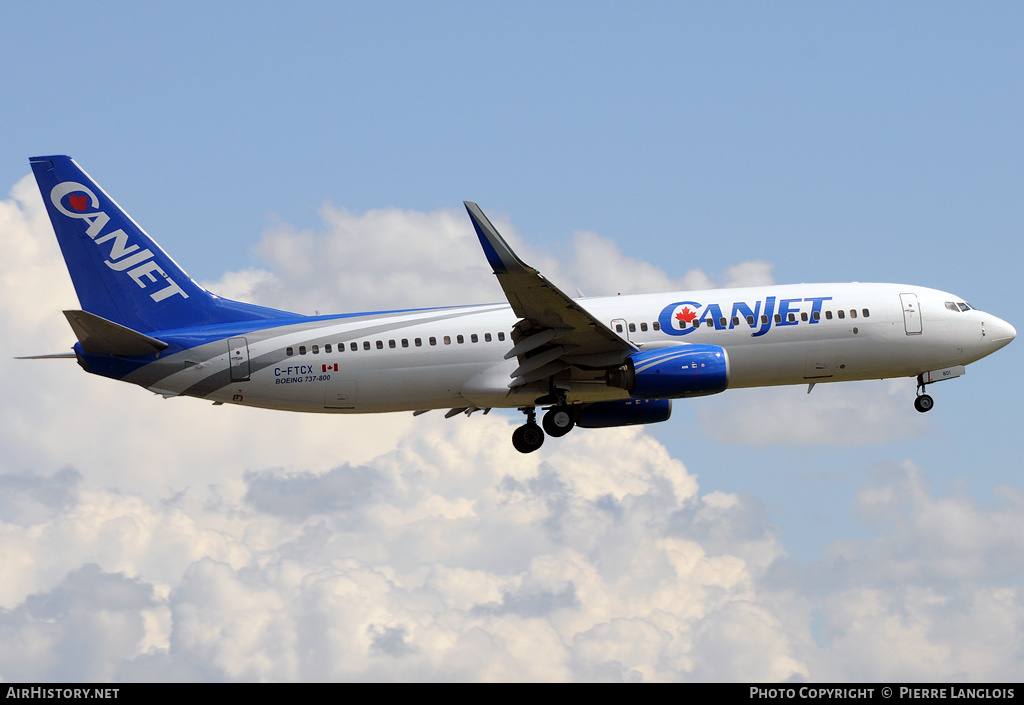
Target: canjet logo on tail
x=684 y=317
x=139 y=264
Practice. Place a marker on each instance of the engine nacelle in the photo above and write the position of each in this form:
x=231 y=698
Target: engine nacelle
x=627 y=412
x=670 y=373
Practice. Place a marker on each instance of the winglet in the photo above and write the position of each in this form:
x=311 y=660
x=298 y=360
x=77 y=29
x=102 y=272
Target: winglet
x=499 y=255
x=548 y=318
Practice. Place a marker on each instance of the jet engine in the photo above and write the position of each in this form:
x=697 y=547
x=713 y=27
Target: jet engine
x=625 y=412
x=674 y=372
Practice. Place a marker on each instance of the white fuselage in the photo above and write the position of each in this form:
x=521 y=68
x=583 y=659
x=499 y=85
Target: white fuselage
x=593 y=362
x=453 y=357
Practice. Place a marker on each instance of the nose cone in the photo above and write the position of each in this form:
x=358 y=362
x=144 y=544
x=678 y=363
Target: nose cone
x=999 y=332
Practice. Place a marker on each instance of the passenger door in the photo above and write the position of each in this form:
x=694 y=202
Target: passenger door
x=238 y=357
x=911 y=313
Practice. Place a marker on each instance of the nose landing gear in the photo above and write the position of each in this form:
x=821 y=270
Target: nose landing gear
x=924 y=402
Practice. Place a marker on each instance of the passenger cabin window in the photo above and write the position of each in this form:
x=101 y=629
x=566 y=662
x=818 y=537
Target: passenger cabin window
x=302 y=350
x=354 y=346
x=828 y=315
x=405 y=342
x=618 y=327
x=803 y=316
x=447 y=340
x=750 y=320
x=327 y=348
x=316 y=349
x=289 y=351
x=657 y=326
x=735 y=321
x=366 y=345
x=711 y=323
x=418 y=342
x=842 y=314
x=380 y=344
x=501 y=336
x=643 y=327
x=791 y=317
x=460 y=339
x=433 y=340
x=391 y=343
x=487 y=337
x=473 y=338
x=853 y=313
x=817 y=315
x=778 y=318
x=632 y=327
x=865 y=313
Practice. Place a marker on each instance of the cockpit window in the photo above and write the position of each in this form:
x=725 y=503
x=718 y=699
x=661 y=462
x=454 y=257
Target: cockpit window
x=959 y=306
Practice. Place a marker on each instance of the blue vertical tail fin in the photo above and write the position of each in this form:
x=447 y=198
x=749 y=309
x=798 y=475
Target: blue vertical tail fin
x=119 y=272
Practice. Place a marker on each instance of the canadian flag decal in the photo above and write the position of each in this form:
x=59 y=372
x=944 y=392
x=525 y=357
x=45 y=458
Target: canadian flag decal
x=330 y=368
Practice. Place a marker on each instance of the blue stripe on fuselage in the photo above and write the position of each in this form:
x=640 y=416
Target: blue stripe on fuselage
x=182 y=339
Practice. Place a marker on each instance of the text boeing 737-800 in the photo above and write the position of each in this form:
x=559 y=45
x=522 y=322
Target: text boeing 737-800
x=590 y=362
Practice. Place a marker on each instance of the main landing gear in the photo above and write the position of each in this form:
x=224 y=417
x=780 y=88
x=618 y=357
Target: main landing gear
x=558 y=421
x=529 y=437
x=923 y=402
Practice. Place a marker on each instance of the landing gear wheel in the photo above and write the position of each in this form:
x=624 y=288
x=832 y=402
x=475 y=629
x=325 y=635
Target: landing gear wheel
x=528 y=438
x=924 y=403
x=558 y=422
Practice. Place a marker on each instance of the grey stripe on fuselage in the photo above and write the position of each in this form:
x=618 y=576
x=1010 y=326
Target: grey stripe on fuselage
x=153 y=374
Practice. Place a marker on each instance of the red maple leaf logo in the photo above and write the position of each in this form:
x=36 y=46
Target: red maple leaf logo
x=686 y=315
x=78 y=201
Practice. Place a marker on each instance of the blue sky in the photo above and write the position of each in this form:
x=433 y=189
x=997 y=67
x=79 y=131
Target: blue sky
x=835 y=142
x=785 y=134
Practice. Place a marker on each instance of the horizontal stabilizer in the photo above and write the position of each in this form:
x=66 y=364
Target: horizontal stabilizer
x=102 y=337
x=51 y=356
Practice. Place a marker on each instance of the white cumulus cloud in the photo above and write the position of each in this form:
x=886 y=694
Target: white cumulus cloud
x=392 y=258
x=169 y=539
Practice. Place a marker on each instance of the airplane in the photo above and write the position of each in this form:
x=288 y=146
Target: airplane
x=590 y=362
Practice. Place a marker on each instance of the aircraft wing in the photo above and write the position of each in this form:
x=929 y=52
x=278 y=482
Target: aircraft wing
x=554 y=332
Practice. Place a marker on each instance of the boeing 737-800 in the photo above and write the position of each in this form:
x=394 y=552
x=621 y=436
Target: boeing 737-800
x=589 y=362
